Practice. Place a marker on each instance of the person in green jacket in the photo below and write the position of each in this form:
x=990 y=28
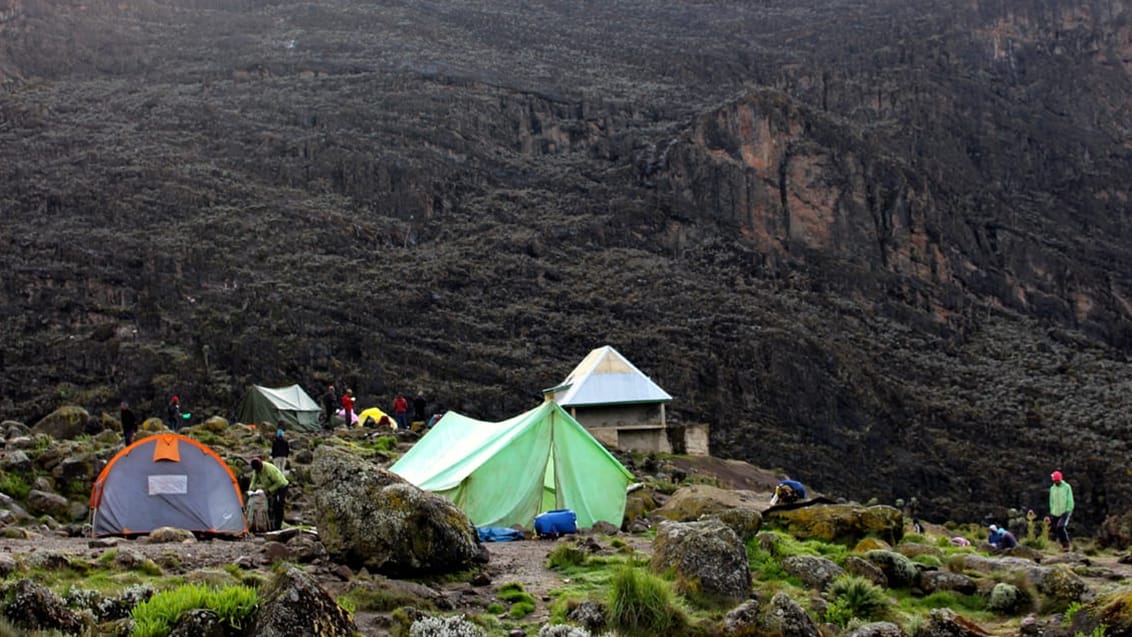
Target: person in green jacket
x=1061 y=507
x=268 y=477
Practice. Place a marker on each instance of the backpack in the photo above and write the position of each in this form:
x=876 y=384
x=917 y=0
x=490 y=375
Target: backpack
x=256 y=511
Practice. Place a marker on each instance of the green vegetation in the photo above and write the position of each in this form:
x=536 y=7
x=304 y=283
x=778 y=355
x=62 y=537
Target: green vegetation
x=852 y=597
x=641 y=604
x=14 y=485
x=156 y=616
x=565 y=555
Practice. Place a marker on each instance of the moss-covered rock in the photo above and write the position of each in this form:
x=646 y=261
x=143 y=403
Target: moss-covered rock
x=843 y=523
x=706 y=558
x=65 y=423
x=690 y=502
x=367 y=516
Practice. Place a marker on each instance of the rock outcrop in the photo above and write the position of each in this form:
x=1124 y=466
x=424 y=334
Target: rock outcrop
x=369 y=517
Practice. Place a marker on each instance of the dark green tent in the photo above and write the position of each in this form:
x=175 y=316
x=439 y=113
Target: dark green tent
x=290 y=407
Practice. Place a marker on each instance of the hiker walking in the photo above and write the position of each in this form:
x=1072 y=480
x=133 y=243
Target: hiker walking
x=129 y=423
x=268 y=477
x=329 y=406
x=401 y=412
x=1061 y=507
x=173 y=411
x=280 y=450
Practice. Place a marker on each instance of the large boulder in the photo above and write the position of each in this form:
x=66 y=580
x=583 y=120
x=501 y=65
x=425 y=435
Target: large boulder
x=65 y=423
x=294 y=604
x=844 y=523
x=47 y=503
x=815 y=572
x=369 y=517
x=689 y=503
x=786 y=618
x=707 y=558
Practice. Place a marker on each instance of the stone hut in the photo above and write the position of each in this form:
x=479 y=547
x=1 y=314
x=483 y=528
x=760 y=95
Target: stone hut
x=623 y=408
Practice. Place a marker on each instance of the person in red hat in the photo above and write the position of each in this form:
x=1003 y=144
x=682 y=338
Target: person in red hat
x=1060 y=508
x=173 y=410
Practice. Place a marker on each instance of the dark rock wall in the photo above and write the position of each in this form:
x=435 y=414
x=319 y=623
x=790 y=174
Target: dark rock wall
x=882 y=246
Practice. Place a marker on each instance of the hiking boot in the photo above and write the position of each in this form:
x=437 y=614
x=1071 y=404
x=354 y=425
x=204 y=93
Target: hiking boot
x=1066 y=547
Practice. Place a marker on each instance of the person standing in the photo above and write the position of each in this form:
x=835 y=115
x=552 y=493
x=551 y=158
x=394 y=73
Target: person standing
x=419 y=407
x=129 y=423
x=401 y=412
x=280 y=450
x=268 y=477
x=329 y=406
x=1061 y=508
x=348 y=406
x=173 y=411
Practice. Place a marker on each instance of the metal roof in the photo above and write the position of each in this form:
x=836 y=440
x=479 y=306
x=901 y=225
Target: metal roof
x=605 y=377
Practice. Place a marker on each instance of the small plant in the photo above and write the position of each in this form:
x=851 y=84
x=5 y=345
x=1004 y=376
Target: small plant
x=852 y=597
x=13 y=484
x=1035 y=539
x=520 y=610
x=642 y=604
x=565 y=555
x=1071 y=611
x=156 y=616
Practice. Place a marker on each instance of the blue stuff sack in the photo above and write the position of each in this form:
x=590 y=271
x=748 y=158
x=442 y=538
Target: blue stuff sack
x=555 y=523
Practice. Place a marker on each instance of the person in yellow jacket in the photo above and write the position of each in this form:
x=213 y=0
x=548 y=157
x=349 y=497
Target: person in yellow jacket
x=1061 y=507
x=268 y=477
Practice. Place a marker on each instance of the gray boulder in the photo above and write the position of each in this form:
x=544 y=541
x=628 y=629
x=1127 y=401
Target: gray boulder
x=372 y=518
x=944 y=622
x=743 y=619
x=16 y=461
x=876 y=629
x=707 y=558
x=35 y=607
x=815 y=572
x=863 y=568
x=294 y=604
x=786 y=618
x=936 y=581
x=65 y=423
x=47 y=503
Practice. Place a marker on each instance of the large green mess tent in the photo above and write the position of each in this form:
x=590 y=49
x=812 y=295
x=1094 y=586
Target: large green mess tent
x=506 y=473
x=290 y=407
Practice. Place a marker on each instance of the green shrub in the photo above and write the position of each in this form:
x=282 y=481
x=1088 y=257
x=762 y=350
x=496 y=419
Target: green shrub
x=565 y=555
x=851 y=596
x=521 y=609
x=641 y=604
x=14 y=485
x=156 y=616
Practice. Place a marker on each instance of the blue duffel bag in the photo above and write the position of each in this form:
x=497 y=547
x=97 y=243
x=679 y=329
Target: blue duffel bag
x=555 y=523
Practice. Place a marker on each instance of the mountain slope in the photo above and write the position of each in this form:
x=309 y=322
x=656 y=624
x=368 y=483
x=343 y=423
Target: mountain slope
x=882 y=246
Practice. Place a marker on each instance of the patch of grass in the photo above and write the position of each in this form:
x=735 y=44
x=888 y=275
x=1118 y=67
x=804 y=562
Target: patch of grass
x=852 y=597
x=565 y=555
x=941 y=599
x=495 y=608
x=521 y=609
x=641 y=604
x=383 y=600
x=14 y=484
x=156 y=616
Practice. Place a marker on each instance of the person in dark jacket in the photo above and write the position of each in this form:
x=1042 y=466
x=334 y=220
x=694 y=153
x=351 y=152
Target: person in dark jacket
x=129 y=423
x=173 y=412
x=1001 y=539
x=329 y=406
x=419 y=406
x=280 y=450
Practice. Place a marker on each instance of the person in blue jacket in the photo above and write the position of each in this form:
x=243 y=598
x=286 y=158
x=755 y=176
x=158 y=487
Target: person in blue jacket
x=788 y=492
x=1001 y=539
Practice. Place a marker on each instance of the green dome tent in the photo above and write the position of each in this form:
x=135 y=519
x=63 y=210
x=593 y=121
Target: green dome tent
x=505 y=473
x=288 y=406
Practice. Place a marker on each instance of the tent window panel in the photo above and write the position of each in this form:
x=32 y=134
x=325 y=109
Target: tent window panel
x=168 y=485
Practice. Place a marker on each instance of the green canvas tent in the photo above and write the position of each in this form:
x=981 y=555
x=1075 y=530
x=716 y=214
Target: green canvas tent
x=505 y=473
x=288 y=406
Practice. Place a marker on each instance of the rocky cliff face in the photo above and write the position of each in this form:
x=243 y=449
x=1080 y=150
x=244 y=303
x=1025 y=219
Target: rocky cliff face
x=882 y=246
